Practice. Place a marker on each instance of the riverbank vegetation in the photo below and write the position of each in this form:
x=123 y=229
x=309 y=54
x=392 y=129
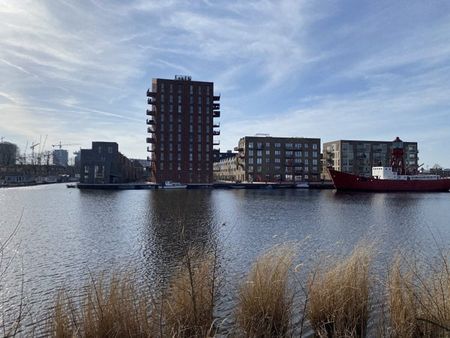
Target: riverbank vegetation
x=340 y=297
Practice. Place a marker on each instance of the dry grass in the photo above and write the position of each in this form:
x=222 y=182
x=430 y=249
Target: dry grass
x=188 y=307
x=116 y=310
x=265 y=304
x=339 y=296
x=419 y=301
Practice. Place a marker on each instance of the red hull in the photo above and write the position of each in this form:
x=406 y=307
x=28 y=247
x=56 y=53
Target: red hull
x=344 y=181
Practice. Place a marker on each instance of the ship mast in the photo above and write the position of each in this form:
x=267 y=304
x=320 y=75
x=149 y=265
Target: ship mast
x=397 y=162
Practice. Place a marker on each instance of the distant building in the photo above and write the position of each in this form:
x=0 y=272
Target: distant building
x=8 y=153
x=358 y=156
x=60 y=157
x=182 y=127
x=228 y=168
x=105 y=164
x=276 y=159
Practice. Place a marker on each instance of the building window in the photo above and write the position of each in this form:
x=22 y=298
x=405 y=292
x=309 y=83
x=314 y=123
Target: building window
x=250 y=145
x=314 y=153
x=267 y=152
x=250 y=153
x=306 y=154
x=277 y=160
x=277 y=145
x=258 y=160
x=86 y=169
x=110 y=150
x=259 y=153
x=314 y=146
x=277 y=152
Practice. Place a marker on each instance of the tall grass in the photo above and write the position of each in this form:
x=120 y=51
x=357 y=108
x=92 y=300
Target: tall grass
x=419 y=299
x=114 y=309
x=189 y=305
x=265 y=303
x=339 y=296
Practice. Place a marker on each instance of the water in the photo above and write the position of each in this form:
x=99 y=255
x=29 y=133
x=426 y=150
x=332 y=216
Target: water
x=66 y=234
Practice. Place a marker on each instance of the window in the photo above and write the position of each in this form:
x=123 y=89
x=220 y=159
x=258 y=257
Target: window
x=267 y=145
x=258 y=160
x=250 y=168
x=314 y=162
x=259 y=153
x=277 y=145
x=267 y=152
x=250 y=145
x=259 y=145
x=99 y=149
x=277 y=160
x=250 y=153
x=314 y=153
x=170 y=98
x=86 y=169
x=298 y=154
x=277 y=152
x=109 y=150
x=314 y=145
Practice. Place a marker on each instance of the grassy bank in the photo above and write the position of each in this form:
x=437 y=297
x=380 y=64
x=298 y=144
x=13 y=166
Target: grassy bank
x=334 y=300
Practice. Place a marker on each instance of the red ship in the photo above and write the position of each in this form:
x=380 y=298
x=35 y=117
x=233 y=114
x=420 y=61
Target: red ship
x=387 y=179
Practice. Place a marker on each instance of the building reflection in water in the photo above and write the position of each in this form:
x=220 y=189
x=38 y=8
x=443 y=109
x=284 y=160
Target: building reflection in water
x=177 y=221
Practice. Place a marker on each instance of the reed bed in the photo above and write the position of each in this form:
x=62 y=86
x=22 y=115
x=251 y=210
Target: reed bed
x=114 y=309
x=189 y=305
x=265 y=303
x=339 y=296
x=337 y=300
x=419 y=299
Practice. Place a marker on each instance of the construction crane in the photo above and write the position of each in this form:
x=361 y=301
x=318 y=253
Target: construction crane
x=32 y=151
x=60 y=145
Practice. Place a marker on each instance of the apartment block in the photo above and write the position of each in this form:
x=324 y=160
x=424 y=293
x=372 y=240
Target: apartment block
x=228 y=169
x=279 y=159
x=358 y=156
x=183 y=130
x=105 y=164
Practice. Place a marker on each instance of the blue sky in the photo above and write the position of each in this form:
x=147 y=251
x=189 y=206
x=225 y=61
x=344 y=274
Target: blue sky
x=78 y=71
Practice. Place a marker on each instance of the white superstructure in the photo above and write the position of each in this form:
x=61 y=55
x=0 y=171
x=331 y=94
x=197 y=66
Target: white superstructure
x=386 y=173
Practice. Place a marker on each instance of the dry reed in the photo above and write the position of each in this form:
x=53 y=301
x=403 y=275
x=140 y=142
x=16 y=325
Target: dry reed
x=188 y=307
x=114 y=310
x=419 y=301
x=339 y=296
x=265 y=304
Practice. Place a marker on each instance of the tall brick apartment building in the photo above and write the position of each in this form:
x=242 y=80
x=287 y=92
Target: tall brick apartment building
x=181 y=123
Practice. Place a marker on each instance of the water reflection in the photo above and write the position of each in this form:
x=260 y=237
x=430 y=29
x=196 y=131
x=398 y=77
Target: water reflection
x=177 y=220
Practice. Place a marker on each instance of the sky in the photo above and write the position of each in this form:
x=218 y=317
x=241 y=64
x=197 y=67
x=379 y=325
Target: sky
x=77 y=71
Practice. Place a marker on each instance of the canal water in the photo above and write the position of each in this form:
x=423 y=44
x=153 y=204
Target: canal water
x=64 y=235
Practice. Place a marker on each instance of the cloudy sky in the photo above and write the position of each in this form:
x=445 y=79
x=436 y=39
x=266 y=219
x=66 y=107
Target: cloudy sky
x=78 y=71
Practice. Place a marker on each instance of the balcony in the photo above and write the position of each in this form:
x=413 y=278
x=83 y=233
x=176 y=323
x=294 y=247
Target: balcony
x=150 y=130
x=150 y=112
x=238 y=149
x=151 y=140
x=150 y=93
x=216 y=143
x=216 y=98
x=216 y=125
x=150 y=100
x=216 y=113
x=216 y=106
x=216 y=132
x=151 y=122
x=150 y=150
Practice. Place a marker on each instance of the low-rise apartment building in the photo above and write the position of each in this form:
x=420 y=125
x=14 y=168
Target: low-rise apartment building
x=359 y=156
x=105 y=164
x=263 y=158
x=227 y=168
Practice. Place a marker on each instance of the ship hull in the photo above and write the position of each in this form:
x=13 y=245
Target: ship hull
x=349 y=182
